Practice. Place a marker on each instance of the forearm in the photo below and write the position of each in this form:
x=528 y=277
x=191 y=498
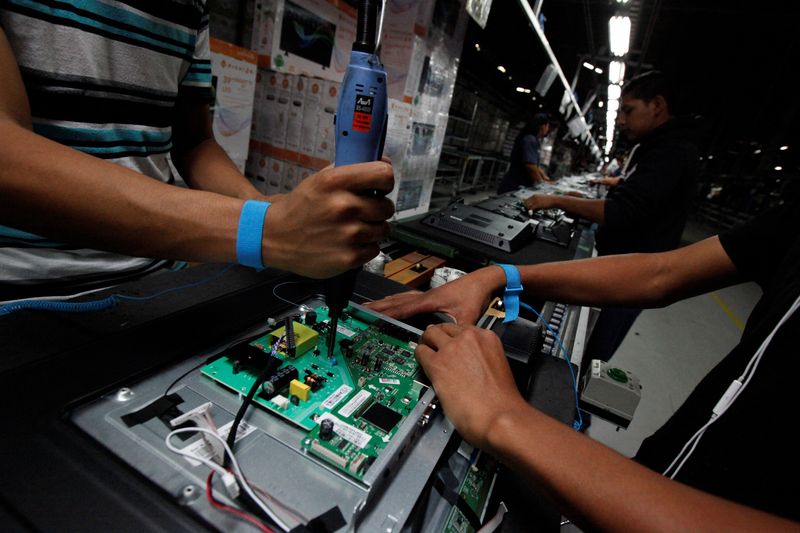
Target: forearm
x=597 y=487
x=58 y=192
x=592 y=210
x=207 y=167
x=629 y=280
x=536 y=174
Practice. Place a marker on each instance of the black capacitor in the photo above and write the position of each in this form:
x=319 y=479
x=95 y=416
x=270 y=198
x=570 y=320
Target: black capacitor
x=279 y=380
x=311 y=318
x=326 y=429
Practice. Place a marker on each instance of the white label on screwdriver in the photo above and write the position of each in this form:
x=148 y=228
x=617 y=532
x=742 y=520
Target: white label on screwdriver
x=337 y=396
x=346 y=431
x=354 y=403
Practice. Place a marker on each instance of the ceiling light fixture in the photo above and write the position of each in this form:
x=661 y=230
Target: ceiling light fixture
x=778 y=168
x=600 y=104
x=477 y=47
x=614 y=92
x=784 y=148
x=598 y=70
x=616 y=72
x=520 y=89
x=619 y=32
x=588 y=65
x=501 y=68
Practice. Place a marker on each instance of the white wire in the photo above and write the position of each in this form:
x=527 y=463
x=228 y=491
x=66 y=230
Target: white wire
x=59 y=297
x=237 y=471
x=275 y=294
x=747 y=375
x=496 y=520
x=380 y=26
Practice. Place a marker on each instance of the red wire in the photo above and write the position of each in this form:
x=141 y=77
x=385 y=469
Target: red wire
x=227 y=508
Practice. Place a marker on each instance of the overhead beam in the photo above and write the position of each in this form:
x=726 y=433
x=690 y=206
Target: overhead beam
x=534 y=20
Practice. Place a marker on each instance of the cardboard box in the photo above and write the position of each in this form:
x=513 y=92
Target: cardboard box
x=275 y=170
x=294 y=126
x=234 y=73
x=311 y=116
x=324 y=145
x=291 y=174
x=269 y=105
x=262 y=172
x=277 y=136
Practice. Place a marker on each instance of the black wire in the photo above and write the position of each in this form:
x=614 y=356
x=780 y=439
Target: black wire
x=267 y=372
x=179 y=378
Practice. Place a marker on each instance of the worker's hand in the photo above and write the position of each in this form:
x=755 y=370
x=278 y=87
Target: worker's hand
x=464 y=298
x=608 y=181
x=331 y=222
x=575 y=194
x=539 y=201
x=471 y=376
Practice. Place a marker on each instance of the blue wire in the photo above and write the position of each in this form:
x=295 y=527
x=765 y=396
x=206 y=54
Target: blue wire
x=95 y=305
x=578 y=423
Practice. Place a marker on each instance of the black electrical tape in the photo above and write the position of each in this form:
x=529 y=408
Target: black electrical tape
x=153 y=410
x=328 y=522
x=444 y=478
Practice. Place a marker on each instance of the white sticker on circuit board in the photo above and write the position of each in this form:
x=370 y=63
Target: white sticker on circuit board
x=387 y=381
x=354 y=403
x=337 y=396
x=201 y=449
x=344 y=331
x=346 y=431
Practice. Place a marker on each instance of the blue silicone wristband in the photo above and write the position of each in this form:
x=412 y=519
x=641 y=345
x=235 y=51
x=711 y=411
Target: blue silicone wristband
x=512 y=292
x=250 y=233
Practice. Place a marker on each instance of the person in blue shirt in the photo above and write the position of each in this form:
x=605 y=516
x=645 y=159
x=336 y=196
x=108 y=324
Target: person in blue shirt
x=526 y=169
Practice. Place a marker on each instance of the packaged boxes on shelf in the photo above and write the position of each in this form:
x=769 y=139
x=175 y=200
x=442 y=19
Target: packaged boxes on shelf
x=275 y=169
x=326 y=129
x=234 y=74
x=311 y=116
x=294 y=124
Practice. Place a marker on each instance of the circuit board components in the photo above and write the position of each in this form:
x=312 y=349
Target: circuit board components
x=349 y=410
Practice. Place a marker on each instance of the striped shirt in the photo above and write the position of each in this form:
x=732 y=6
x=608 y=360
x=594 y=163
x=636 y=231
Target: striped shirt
x=102 y=77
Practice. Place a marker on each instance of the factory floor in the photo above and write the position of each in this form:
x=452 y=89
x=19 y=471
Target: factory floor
x=671 y=349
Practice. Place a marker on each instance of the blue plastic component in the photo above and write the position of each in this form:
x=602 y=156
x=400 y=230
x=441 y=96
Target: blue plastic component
x=362 y=111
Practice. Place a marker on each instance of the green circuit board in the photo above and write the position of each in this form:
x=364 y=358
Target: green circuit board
x=475 y=491
x=367 y=388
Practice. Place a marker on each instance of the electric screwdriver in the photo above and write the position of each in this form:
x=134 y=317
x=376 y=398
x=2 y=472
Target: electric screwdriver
x=361 y=120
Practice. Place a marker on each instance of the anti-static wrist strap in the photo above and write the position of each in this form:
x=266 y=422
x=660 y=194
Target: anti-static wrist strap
x=512 y=292
x=250 y=233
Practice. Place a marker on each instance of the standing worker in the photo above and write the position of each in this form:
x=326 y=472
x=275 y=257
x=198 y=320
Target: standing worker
x=525 y=169
x=647 y=210
x=95 y=100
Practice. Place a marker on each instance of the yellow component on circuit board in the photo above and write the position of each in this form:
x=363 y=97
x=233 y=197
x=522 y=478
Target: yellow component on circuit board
x=299 y=389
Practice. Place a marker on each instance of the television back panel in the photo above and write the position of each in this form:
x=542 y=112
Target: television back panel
x=483 y=226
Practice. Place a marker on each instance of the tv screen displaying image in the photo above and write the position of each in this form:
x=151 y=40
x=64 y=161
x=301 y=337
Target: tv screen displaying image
x=307 y=35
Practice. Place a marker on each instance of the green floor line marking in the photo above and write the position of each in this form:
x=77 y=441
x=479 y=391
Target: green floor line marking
x=727 y=310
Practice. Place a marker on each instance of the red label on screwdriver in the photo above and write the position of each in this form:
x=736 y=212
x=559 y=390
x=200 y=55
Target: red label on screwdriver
x=362 y=116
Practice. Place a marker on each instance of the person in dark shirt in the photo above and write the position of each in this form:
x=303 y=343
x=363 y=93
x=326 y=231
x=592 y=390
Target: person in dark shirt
x=740 y=473
x=526 y=169
x=647 y=210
